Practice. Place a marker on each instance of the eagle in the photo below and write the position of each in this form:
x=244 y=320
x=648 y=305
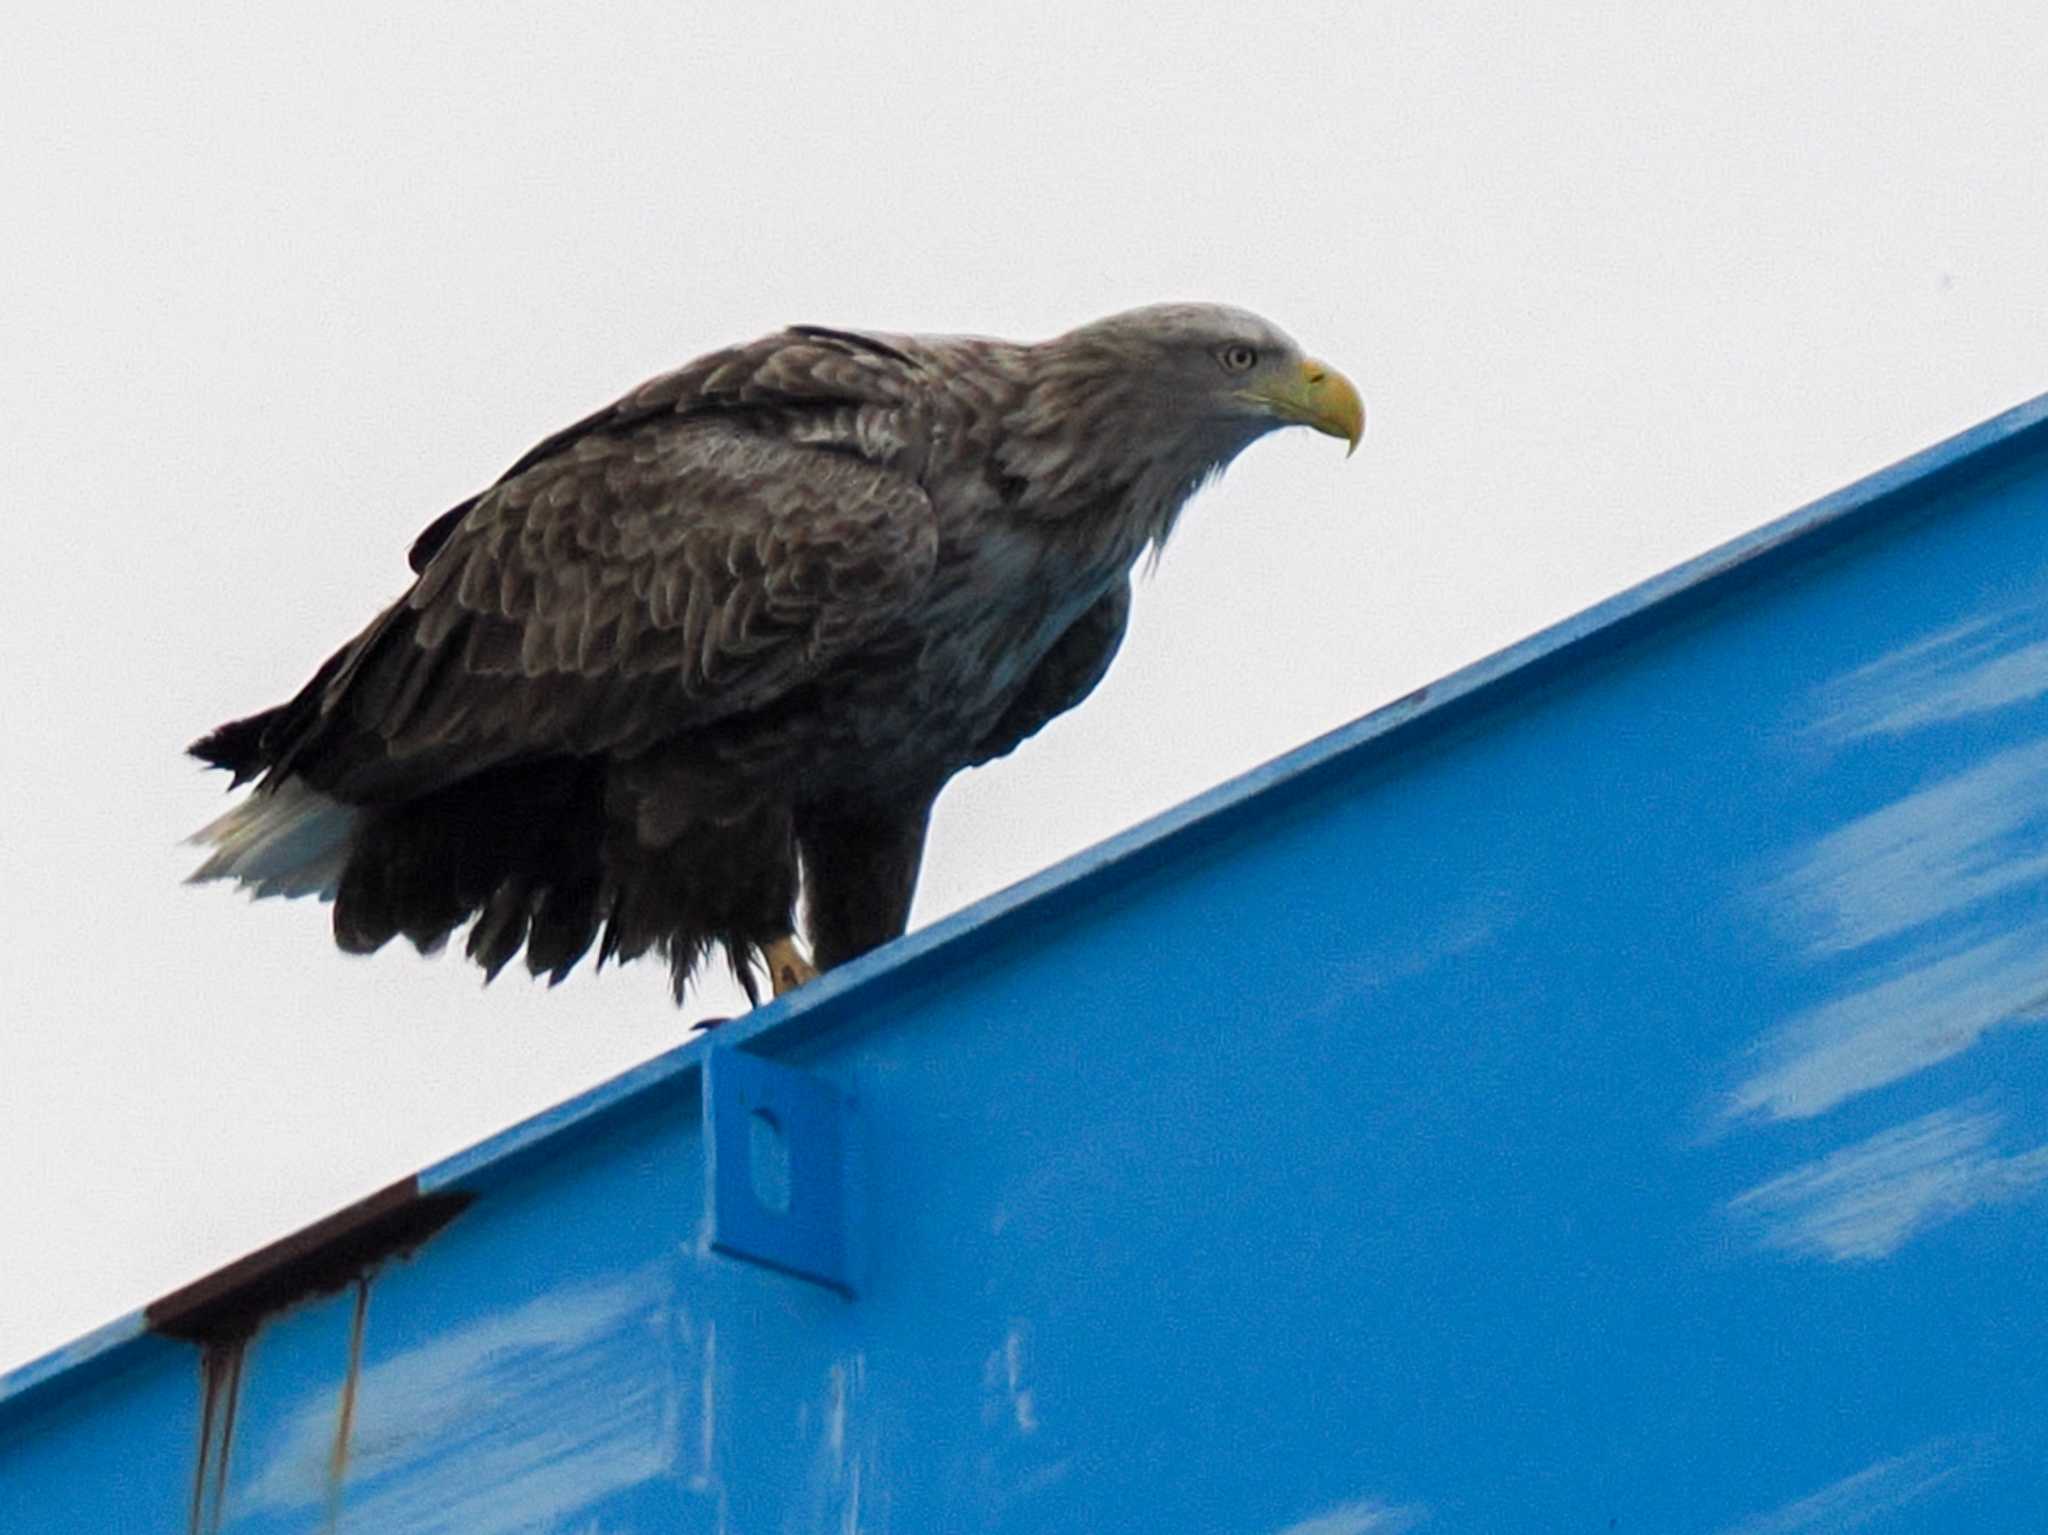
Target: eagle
x=707 y=656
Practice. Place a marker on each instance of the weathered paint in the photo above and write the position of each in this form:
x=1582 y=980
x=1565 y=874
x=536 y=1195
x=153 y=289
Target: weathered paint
x=223 y=1312
x=1600 y=1091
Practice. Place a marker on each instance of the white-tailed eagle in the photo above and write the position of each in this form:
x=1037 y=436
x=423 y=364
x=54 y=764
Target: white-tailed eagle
x=722 y=643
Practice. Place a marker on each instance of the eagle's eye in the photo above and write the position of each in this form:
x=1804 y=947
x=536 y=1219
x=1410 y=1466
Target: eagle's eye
x=1238 y=358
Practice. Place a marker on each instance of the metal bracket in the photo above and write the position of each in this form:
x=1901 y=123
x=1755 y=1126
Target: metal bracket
x=775 y=1173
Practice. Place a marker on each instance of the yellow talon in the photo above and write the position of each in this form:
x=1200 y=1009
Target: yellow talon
x=787 y=966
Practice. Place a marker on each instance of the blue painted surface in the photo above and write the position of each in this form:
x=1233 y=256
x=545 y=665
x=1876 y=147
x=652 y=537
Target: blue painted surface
x=1602 y=1093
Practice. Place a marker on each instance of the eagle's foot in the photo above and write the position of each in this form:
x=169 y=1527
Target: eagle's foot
x=787 y=966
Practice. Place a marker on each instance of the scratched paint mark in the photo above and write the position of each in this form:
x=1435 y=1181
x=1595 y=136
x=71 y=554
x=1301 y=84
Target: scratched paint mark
x=843 y=1490
x=1004 y=1393
x=1023 y=1405
x=1927 y=1006
x=1939 y=853
x=1982 y=666
x=345 y=1418
x=1874 y=1492
x=1866 y=1201
x=522 y=1419
x=707 y=1412
x=835 y=1420
x=1360 y=1516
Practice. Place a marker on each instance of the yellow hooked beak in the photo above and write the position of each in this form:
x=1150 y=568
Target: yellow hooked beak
x=1318 y=396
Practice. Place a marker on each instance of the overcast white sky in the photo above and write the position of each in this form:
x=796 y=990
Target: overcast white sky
x=1618 y=282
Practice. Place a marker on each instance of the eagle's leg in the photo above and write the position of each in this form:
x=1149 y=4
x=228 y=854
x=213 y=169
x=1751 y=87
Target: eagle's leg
x=860 y=871
x=787 y=966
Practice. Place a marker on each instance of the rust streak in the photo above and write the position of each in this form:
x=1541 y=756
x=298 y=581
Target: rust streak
x=209 y=1395
x=220 y=1390
x=223 y=1311
x=345 y=1419
x=237 y=1351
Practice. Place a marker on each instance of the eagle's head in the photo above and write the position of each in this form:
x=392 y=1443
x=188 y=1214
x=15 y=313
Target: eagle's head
x=1212 y=367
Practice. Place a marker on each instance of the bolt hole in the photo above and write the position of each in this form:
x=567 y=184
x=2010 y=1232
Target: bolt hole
x=768 y=1161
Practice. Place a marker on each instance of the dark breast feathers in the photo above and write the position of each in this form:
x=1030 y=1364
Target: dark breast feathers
x=737 y=628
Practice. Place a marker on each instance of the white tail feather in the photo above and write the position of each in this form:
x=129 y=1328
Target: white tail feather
x=286 y=841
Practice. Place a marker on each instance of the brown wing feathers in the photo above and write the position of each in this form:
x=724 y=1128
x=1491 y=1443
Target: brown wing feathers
x=698 y=549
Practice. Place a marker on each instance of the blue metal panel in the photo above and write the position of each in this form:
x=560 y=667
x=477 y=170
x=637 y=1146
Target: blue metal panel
x=1601 y=1092
x=775 y=1172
